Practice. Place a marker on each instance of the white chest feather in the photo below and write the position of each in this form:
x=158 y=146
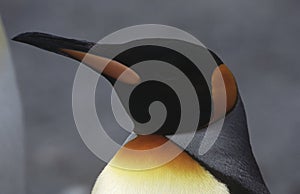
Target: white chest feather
x=182 y=175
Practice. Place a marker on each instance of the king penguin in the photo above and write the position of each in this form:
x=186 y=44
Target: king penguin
x=227 y=167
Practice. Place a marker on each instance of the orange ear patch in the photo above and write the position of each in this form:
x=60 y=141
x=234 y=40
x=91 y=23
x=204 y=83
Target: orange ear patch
x=221 y=77
x=106 y=66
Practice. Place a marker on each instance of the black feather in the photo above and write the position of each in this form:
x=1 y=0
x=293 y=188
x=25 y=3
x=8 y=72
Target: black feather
x=231 y=159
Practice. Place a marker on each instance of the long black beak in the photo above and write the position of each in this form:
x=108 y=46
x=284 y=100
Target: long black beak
x=79 y=50
x=53 y=43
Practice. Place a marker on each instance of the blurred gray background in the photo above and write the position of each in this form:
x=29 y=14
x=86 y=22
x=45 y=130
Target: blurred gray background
x=258 y=40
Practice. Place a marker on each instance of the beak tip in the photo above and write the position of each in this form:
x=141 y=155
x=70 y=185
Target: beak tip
x=22 y=37
x=28 y=37
x=16 y=38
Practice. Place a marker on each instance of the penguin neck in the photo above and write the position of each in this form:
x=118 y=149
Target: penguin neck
x=182 y=174
x=146 y=152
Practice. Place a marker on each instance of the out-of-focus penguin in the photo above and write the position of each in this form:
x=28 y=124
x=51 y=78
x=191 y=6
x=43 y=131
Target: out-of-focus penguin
x=11 y=125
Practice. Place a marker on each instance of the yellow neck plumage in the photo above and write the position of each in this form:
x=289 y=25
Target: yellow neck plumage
x=182 y=175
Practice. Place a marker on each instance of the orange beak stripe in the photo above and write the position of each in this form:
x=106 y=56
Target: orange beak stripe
x=106 y=66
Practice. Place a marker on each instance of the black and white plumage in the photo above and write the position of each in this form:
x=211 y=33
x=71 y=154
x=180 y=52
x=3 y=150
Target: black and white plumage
x=229 y=166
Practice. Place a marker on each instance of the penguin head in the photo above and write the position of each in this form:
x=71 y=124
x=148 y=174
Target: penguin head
x=230 y=159
x=116 y=63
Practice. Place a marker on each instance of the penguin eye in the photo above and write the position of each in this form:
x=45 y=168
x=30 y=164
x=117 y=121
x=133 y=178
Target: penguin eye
x=221 y=77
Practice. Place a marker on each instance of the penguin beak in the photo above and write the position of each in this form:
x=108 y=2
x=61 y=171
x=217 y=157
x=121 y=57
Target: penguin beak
x=79 y=50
